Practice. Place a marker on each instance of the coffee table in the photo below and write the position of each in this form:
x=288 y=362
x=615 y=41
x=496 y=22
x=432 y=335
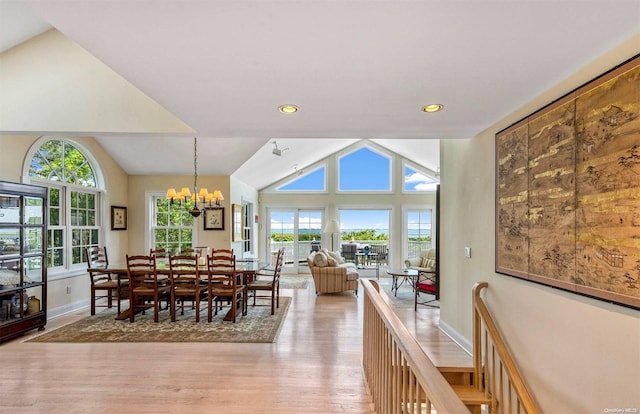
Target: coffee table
x=407 y=275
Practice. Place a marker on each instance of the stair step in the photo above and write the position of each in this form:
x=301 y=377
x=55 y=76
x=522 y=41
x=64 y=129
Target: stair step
x=470 y=395
x=457 y=375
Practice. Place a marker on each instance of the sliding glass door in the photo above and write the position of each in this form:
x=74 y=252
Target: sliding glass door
x=298 y=231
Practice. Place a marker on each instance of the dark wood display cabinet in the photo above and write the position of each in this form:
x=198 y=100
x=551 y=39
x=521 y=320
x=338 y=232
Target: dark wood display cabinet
x=23 y=259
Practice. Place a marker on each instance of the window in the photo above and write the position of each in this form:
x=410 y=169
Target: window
x=365 y=226
x=74 y=220
x=416 y=181
x=364 y=170
x=172 y=227
x=418 y=230
x=247 y=241
x=315 y=180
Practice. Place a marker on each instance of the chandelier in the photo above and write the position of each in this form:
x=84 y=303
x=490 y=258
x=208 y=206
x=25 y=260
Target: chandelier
x=197 y=201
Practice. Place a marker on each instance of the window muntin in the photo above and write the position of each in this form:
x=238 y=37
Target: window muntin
x=364 y=170
x=74 y=221
x=172 y=227
x=61 y=161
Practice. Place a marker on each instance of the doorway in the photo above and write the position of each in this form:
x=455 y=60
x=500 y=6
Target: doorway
x=298 y=231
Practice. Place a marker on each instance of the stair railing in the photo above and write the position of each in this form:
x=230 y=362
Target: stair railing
x=495 y=372
x=399 y=375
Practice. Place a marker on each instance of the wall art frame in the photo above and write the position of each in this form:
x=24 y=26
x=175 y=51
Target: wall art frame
x=118 y=218
x=568 y=191
x=213 y=218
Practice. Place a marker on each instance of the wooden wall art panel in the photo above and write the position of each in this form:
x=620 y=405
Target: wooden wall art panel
x=568 y=191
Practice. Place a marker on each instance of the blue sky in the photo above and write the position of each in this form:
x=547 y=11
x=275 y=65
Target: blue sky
x=361 y=170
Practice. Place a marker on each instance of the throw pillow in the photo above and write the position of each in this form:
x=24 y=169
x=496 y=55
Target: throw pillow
x=423 y=262
x=431 y=263
x=331 y=262
x=320 y=259
x=336 y=256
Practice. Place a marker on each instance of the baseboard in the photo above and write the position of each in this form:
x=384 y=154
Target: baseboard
x=456 y=337
x=68 y=308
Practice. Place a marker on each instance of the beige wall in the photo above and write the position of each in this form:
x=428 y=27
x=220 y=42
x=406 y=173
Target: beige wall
x=578 y=355
x=49 y=83
x=13 y=150
x=140 y=186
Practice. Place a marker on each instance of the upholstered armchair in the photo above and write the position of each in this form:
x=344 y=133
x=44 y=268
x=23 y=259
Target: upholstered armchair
x=331 y=274
x=424 y=263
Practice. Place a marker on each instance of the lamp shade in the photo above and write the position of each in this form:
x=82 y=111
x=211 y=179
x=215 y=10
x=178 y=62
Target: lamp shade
x=332 y=226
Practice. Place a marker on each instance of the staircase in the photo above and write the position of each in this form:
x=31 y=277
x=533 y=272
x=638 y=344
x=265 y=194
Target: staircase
x=475 y=378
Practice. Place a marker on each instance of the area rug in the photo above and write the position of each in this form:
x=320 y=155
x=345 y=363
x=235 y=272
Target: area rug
x=404 y=297
x=258 y=326
x=294 y=282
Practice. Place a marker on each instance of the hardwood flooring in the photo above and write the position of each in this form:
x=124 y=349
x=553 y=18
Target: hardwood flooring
x=314 y=367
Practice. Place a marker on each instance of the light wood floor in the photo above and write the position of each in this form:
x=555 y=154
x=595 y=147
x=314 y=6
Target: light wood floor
x=314 y=367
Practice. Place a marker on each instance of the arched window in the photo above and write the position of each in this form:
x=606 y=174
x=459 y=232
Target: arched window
x=74 y=221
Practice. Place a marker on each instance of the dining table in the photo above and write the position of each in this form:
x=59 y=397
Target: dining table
x=247 y=268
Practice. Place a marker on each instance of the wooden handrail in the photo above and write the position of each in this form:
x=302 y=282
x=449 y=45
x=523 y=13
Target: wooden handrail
x=400 y=376
x=487 y=363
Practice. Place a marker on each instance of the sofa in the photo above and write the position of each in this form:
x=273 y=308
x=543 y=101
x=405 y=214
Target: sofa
x=331 y=274
x=424 y=263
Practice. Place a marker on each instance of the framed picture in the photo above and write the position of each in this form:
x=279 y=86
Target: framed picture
x=118 y=218
x=237 y=222
x=214 y=218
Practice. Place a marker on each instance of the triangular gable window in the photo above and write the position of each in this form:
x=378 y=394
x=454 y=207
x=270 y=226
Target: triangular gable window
x=416 y=181
x=311 y=181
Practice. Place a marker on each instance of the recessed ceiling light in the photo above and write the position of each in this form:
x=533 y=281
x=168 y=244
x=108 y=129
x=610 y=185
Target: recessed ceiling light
x=288 y=109
x=432 y=108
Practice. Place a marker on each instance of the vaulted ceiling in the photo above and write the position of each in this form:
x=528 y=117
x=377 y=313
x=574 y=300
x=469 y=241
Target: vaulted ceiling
x=357 y=70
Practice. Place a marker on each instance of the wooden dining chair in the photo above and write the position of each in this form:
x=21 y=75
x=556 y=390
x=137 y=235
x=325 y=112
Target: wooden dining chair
x=227 y=252
x=146 y=290
x=268 y=281
x=104 y=284
x=224 y=285
x=161 y=252
x=185 y=284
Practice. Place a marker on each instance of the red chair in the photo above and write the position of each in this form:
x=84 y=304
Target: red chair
x=427 y=283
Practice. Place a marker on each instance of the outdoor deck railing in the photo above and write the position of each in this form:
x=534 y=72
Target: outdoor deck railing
x=399 y=375
x=305 y=247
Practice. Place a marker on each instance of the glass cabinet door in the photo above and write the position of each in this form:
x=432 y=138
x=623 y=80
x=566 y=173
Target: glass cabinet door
x=23 y=273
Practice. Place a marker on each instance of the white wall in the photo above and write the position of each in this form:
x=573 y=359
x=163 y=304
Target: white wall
x=241 y=192
x=577 y=354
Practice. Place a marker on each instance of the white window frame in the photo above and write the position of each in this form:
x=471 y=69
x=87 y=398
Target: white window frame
x=69 y=268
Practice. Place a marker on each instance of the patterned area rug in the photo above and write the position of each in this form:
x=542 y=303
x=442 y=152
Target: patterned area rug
x=257 y=326
x=405 y=297
x=294 y=282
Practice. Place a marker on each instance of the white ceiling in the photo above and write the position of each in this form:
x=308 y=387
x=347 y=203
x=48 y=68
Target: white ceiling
x=357 y=69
